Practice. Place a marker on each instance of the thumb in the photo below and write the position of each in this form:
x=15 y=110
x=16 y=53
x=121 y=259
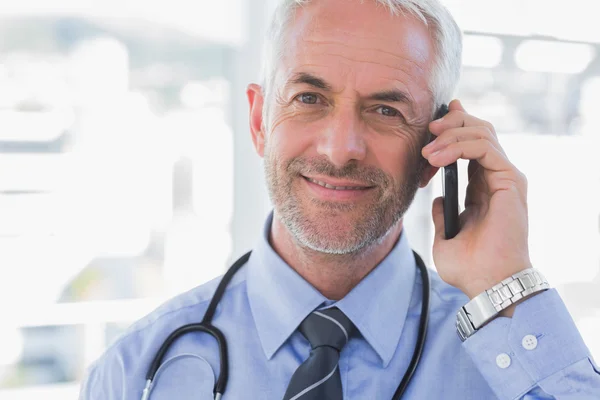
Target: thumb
x=456 y=105
x=437 y=212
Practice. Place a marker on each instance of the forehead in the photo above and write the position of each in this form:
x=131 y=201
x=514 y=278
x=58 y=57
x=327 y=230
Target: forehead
x=362 y=41
x=358 y=33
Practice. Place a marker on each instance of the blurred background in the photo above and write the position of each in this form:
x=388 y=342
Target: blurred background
x=127 y=173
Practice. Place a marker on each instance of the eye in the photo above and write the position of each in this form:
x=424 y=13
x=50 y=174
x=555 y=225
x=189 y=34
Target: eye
x=388 y=111
x=308 y=98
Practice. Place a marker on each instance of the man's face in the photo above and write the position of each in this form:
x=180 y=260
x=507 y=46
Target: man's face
x=350 y=109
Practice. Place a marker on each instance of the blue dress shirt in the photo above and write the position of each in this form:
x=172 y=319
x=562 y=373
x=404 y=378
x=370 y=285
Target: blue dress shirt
x=266 y=301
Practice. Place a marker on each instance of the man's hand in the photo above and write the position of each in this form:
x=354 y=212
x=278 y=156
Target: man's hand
x=492 y=242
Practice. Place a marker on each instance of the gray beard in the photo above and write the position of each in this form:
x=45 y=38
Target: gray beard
x=314 y=231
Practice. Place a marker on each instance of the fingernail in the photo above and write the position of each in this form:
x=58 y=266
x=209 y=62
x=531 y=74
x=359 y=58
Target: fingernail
x=430 y=144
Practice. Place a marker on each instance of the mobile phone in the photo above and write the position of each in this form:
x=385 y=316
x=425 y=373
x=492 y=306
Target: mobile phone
x=449 y=191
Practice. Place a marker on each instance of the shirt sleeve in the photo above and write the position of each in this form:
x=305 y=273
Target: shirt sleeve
x=537 y=354
x=104 y=380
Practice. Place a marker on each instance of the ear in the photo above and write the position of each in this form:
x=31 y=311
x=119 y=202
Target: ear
x=428 y=173
x=256 y=101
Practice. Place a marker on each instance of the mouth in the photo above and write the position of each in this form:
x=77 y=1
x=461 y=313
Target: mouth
x=337 y=186
x=328 y=189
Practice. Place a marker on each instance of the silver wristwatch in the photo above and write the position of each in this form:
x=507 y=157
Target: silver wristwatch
x=488 y=304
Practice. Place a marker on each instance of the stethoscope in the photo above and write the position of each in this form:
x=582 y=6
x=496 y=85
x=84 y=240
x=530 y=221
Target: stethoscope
x=207 y=327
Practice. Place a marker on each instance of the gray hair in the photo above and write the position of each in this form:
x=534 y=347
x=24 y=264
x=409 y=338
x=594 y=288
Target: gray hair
x=445 y=33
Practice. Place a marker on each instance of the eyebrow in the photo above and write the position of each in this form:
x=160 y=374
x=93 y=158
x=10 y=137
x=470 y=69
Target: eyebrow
x=392 y=96
x=309 y=79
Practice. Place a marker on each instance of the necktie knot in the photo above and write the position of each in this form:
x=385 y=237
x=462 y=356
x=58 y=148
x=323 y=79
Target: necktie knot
x=328 y=327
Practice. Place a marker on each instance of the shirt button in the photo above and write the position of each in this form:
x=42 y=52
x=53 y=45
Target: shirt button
x=529 y=342
x=503 y=360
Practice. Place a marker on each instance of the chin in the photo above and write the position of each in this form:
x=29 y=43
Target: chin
x=333 y=231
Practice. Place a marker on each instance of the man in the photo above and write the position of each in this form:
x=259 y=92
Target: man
x=328 y=305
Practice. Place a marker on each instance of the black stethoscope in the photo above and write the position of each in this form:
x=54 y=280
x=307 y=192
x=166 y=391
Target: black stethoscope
x=207 y=327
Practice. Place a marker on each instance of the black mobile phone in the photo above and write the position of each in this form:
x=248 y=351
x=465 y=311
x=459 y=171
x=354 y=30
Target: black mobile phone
x=449 y=191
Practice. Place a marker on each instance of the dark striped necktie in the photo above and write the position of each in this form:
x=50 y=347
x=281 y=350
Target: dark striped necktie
x=318 y=378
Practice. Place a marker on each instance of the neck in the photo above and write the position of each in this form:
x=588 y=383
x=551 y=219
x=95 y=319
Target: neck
x=333 y=275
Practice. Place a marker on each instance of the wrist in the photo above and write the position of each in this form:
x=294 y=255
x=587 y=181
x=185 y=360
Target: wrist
x=476 y=286
x=508 y=312
x=499 y=300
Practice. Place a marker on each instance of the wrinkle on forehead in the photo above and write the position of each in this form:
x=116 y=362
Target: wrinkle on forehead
x=420 y=52
x=306 y=49
x=332 y=48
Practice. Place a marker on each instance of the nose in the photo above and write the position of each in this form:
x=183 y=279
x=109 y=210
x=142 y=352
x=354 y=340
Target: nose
x=343 y=140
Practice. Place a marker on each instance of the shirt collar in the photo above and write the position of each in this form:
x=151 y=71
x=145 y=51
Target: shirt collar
x=378 y=305
x=280 y=298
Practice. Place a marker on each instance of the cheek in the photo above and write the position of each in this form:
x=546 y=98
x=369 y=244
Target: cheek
x=291 y=133
x=395 y=158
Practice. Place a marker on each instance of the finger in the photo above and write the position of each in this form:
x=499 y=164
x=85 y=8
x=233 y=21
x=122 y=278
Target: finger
x=476 y=197
x=460 y=135
x=456 y=104
x=472 y=169
x=458 y=118
x=437 y=212
x=480 y=150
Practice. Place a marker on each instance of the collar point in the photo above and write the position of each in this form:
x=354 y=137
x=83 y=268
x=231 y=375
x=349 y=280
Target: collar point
x=386 y=361
x=269 y=353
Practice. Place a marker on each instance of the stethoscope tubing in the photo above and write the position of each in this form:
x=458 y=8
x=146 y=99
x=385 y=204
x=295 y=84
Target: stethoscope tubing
x=422 y=334
x=206 y=326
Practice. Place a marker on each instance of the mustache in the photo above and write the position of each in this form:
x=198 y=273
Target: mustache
x=352 y=170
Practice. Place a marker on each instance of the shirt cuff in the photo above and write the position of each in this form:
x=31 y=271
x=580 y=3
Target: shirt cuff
x=515 y=354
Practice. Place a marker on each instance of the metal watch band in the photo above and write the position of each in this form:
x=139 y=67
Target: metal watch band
x=488 y=304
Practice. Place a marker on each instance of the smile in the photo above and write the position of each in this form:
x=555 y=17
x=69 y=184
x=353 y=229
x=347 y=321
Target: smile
x=328 y=186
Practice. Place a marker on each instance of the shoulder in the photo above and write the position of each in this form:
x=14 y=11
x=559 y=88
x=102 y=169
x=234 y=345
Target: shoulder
x=128 y=357
x=189 y=306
